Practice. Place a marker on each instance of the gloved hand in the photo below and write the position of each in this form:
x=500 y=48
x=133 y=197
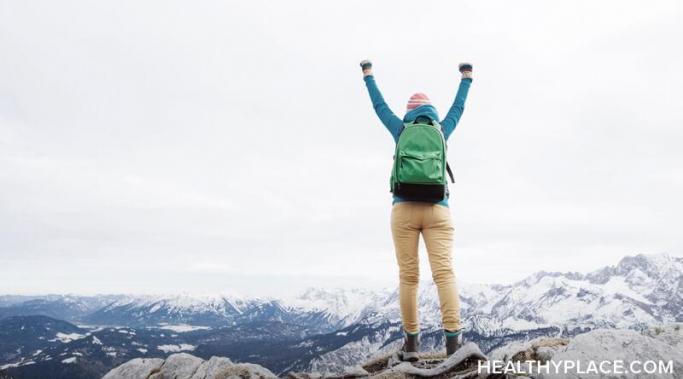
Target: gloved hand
x=366 y=66
x=466 y=70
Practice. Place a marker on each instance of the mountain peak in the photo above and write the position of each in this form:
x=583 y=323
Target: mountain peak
x=540 y=275
x=649 y=263
x=641 y=265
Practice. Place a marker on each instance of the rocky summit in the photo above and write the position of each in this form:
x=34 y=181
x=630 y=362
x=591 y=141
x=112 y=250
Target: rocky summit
x=183 y=365
x=664 y=344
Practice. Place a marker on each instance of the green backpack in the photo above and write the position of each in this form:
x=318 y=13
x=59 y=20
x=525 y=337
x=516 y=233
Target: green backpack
x=420 y=166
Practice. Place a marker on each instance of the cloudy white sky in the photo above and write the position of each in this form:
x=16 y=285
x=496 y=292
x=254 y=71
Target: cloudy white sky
x=165 y=146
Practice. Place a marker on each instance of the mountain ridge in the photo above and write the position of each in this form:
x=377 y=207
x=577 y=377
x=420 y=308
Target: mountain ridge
x=328 y=329
x=646 y=286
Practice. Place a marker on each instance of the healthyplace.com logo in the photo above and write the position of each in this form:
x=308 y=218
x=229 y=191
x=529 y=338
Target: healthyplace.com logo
x=605 y=367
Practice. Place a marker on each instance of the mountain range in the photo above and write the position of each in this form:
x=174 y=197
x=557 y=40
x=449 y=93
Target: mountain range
x=324 y=329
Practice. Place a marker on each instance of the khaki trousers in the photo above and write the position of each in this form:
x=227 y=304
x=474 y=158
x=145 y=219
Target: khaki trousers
x=409 y=220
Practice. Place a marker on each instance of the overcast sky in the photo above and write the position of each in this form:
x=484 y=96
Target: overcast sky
x=207 y=146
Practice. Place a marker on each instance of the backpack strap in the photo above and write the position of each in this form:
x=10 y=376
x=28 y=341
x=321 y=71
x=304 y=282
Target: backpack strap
x=450 y=172
x=448 y=167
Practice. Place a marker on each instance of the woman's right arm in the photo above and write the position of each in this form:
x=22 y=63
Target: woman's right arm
x=388 y=118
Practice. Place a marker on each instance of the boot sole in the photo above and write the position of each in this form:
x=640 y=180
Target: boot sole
x=410 y=356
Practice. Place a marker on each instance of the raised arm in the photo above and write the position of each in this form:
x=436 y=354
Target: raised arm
x=453 y=116
x=388 y=118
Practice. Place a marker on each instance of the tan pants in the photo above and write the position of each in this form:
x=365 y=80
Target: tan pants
x=408 y=220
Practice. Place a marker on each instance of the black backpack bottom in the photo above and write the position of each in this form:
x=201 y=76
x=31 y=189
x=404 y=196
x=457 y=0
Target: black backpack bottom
x=420 y=192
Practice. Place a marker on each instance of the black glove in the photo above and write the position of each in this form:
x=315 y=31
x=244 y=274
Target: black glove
x=366 y=66
x=465 y=70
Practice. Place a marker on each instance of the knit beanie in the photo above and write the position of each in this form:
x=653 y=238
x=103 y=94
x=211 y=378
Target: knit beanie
x=416 y=100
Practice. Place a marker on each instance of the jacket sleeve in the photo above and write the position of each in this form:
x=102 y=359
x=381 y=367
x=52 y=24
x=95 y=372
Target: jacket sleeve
x=453 y=116
x=393 y=124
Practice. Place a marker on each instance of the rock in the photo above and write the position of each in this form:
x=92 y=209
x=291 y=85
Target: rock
x=304 y=375
x=138 y=368
x=208 y=369
x=539 y=349
x=187 y=366
x=178 y=366
x=243 y=371
x=663 y=343
x=462 y=364
x=394 y=360
x=350 y=372
x=545 y=353
x=622 y=345
x=671 y=334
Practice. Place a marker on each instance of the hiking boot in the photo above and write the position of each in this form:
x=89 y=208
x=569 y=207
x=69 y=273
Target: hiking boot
x=409 y=349
x=453 y=341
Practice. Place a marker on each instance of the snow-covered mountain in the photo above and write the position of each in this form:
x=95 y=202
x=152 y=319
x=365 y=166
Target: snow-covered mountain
x=640 y=290
x=180 y=309
x=637 y=292
x=319 y=311
x=66 y=307
x=326 y=329
x=341 y=307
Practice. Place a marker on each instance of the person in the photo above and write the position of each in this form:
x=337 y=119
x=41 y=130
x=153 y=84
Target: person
x=431 y=219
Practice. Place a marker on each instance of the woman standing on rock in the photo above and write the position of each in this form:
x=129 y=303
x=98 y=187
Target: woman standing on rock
x=420 y=205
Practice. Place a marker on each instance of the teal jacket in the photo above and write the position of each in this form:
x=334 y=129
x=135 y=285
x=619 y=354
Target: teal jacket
x=395 y=125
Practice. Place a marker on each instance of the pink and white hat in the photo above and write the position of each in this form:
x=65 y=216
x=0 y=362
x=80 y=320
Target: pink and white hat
x=417 y=100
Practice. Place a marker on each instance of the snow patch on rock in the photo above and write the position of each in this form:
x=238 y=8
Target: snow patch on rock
x=176 y=348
